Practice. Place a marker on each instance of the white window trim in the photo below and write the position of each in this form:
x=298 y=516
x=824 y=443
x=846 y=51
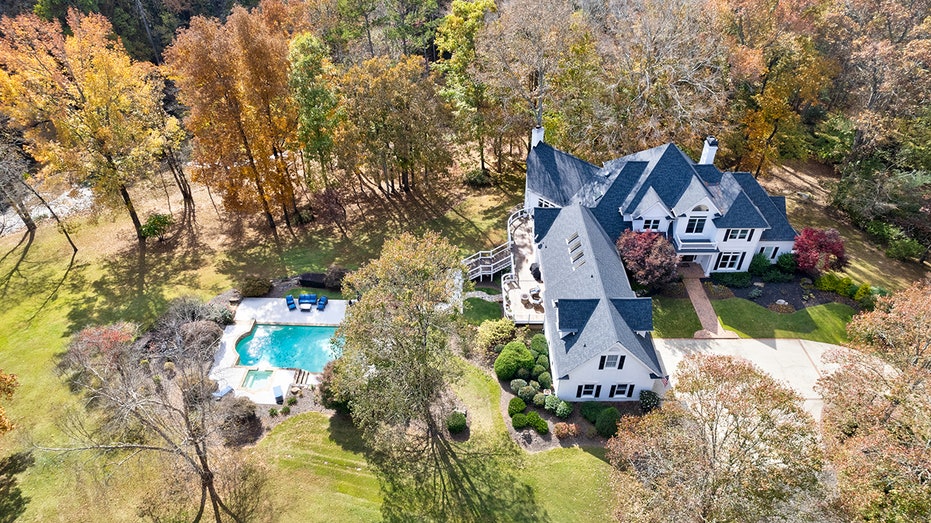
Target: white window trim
x=733 y=258
x=737 y=234
x=588 y=394
x=654 y=224
x=703 y=220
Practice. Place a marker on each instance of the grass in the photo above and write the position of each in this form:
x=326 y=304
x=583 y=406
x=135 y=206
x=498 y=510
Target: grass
x=825 y=323
x=318 y=471
x=481 y=394
x=674 y=318
x=571 y=484
x=868 y=261
x=477 y=310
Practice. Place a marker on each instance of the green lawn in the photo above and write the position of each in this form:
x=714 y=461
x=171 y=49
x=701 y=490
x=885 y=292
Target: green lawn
x=571 y=484
x=477 y=310
x=674 y=318
x=318 y=471
x=825 y=323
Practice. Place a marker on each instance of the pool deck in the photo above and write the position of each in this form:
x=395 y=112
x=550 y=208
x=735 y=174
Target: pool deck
x=270 y=311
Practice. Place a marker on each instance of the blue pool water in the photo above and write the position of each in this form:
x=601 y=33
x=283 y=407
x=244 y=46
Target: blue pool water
x=287 y=346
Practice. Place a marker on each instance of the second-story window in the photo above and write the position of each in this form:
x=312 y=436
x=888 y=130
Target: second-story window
x=737 y=234
x=651 y=225
x=695 y=226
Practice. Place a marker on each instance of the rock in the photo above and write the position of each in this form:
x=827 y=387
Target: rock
x=295 y=390
x=781 y=302
x=759 y=284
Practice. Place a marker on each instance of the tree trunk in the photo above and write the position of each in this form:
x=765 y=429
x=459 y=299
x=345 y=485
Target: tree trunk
x=61 y=226
x=18 y=205
x=124 y=193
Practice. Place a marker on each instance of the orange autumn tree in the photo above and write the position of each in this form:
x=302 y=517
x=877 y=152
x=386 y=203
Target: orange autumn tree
x=876 y=423
x=88 y=111
x=8 y=384
x=234 y=77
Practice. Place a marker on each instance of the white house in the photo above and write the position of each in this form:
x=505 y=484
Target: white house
x=597 y=329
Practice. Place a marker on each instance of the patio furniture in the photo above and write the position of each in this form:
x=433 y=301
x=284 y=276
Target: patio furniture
x=218 y=395
x=279 y=396
x=290 y=301
x=321 y=304
x=305 y=301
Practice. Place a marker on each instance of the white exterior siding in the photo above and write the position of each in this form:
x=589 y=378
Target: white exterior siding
x=774 y=249
x=634 y=373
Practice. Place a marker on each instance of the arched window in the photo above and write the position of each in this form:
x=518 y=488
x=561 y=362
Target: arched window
x=700 y=208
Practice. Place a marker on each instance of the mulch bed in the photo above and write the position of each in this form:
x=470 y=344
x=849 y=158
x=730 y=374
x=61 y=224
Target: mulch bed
x=793 y=294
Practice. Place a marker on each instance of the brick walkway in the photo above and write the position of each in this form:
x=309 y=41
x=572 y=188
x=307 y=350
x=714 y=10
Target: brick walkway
x=711 y=327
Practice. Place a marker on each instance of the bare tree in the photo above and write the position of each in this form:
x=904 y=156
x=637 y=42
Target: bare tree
x=154 y=395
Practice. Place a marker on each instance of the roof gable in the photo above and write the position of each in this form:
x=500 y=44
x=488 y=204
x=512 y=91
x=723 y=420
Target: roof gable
x=741 y=214
x=780 y=228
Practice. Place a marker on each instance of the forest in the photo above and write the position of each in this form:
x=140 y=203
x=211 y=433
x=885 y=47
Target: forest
x=292 y=109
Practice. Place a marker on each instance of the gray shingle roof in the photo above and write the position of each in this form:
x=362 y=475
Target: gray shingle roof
x=780 y=228
x=555 y=175
x=669 y=172
x=741 y=213
x=590 y=291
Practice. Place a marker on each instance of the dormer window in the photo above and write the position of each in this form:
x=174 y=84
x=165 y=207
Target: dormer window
x=651 y=225
x=695 y=225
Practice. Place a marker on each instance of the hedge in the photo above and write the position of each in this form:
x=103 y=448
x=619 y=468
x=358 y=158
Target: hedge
x=732 y=279
x=516 y=406
x=606 y=424
x=591 y=409
x=456 y=422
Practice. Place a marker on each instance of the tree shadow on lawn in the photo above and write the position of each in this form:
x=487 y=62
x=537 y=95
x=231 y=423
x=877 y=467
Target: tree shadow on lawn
x=468 y=481
x=134 y=285
x=12 y=502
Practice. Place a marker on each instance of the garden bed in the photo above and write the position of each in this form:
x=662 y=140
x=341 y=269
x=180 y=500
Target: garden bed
x=792 y=292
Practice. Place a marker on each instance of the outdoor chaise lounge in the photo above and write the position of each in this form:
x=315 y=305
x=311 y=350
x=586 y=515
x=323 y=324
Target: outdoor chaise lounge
x=322 y=303
x=307 y=301
x=290 y=301
x=279 y=396
x=218 y=395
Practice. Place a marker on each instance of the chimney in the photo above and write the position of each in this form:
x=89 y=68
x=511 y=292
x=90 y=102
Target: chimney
x=708 y=152
x=536 y=136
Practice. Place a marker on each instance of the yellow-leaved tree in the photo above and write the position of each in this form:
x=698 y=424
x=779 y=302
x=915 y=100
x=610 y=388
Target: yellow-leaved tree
x=88 y=111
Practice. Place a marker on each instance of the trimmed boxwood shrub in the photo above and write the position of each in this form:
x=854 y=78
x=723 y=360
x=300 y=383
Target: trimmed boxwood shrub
x=732 y=279
x=516 y=385
x=537 y=370
x=545 y=380
x=538 y=344
x=590 y=410
x=539 y=424
x=564 y=409
x=519 y=421
x=514 y=358
x=606 y=424
x=526 y=393
x=456 y=422
x=515 y=406
x=551 y=403
x=535 y=385
x=758 y=264
x=649 y=400
x=539 y=400
x=544 y=361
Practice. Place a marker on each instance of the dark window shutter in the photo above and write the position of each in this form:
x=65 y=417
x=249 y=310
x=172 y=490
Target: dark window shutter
x=613 y=390
x=750 y=236
x=578 y=393
x=741 y=262
x=598 y=391
x=761 y=249
x=630 y=391
x=620 y=362
x=775 y=250
x=601 y=363
x=718 y=262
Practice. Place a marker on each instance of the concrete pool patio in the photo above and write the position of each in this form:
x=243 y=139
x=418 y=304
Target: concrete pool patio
x=272 y=311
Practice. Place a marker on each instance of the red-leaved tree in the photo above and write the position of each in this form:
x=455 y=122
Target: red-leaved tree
x=818 y=250
x=648 y=256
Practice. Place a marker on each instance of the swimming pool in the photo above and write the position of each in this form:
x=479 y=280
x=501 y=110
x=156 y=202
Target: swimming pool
x=287 y=346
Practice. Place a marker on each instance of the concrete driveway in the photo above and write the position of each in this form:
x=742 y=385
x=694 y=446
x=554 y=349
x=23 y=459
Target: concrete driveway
x=798 y=363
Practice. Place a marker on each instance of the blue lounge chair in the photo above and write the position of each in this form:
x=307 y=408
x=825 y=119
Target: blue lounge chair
x=313 y=299
x=321 y=304
x=290 y=301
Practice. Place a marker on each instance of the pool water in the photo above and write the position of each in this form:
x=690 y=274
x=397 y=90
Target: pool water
x=287 y=346
x=257 y=379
